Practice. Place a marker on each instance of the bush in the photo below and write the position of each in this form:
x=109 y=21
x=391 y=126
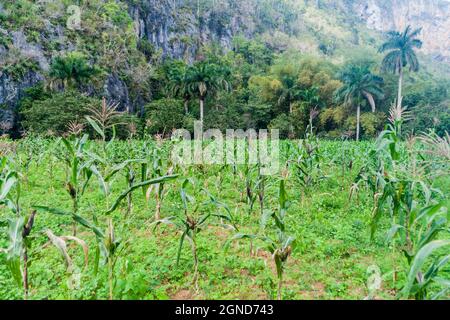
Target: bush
x=164 y=115
x=52 y=114
x=372 y=123
x=282 y=123
x=426 y=117
x=128 y=125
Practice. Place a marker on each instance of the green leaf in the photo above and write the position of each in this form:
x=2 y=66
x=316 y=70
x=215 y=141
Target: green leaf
x=95 y=126
x=75 y=217
x=101 y=181
x=53 y=210
x=238 y=236
x=119 y=167
x=137 y=186
x=68 y=146
x=267 y=214
x=8 y=184
x=418 y=262
x=181 y=246
x=88 y=225
x=15 y=248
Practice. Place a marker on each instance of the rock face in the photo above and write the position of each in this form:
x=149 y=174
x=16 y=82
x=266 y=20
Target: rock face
x=11 y=91
x=177 y=27
x=433 y=16
x=116 y=90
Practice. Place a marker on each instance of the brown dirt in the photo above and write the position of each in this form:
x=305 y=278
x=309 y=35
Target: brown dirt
x=183 y=295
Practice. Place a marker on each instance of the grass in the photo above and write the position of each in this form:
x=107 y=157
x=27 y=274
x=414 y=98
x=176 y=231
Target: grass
x=330 y=260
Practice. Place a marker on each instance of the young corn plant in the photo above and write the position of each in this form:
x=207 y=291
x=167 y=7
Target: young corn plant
x=421 y=245
x=274 y=236
x=111 y=249
x=19 y=227
x=306 y=163
x=80 y=168
x=251 y=185
x=194 y=220
x=17 y=252
x=158 y=171
x=414 y=208
x=107 y=244
x=60 y=242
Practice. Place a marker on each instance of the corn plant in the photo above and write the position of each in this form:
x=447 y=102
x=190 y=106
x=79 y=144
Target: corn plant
x=251 y=185
x=306 y=161
x=275 y=240
x=76 y=219
x=416 y=213
x=424 y=226
x=102 y=119
x=19 y=227
x=30 y=150
x=158 y=171
x=421 y=242
x=194 y=220
x=129 y=179
x=80 y=168
x=436 y=153
x=111 y=248
x=17 y=251
x=107 y=244
x=60 y=242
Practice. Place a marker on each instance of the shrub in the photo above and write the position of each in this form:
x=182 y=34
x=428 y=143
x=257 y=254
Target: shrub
x=282 y=123
x=372 y=123
x=164 y=115
x=52 y=114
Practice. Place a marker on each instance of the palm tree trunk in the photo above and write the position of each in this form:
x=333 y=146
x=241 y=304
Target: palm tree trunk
x=358 y=119
x=186 y=109
x=291 y=127
x=202 y=102
x=400 y=84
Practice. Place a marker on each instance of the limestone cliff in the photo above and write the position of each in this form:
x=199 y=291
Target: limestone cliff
x=433 y=16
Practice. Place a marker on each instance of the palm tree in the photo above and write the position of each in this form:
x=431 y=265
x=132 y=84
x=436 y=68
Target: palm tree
x=290 y=91
x=178 y=82
x=360 y=86
x=204 y=78
x=401 y=53
x=71 y=69
x=312 y=98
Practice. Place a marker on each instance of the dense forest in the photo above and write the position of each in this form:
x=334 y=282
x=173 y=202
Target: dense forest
x=168 y=63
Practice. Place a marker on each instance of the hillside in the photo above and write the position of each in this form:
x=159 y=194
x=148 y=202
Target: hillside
x=128 y=40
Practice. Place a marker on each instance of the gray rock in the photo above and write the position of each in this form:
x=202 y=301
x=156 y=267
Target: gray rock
x=117 y=91
x=433 y=16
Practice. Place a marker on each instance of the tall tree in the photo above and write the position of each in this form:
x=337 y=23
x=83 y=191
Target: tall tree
x=289 y=91
x=177 y=74
x=204 y=78
x=400 y=48
x=360 y=86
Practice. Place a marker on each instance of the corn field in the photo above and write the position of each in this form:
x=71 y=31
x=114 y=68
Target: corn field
x=97 y=218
